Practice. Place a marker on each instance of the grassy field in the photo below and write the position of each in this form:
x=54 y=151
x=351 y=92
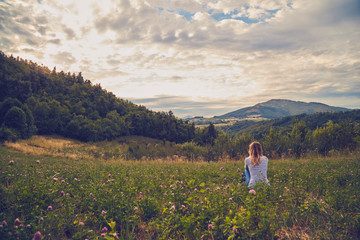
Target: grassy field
x=65 y=191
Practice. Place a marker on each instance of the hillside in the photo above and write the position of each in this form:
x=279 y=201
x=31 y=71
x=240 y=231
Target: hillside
x=36 y=100
x=277 y=108
x=312 y=121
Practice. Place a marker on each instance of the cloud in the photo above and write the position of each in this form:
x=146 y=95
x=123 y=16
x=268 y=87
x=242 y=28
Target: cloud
x=70 y=34
x=196 y=54
x=64 y=58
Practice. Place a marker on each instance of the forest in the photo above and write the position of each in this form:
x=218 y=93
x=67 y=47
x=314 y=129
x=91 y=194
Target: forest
x=35 y=100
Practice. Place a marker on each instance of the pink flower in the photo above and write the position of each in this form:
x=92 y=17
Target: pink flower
x=37 y=236
x=91 y=195
x=81 y=224
x=11 y=162
x=55 y=179
x=50 y=208
x=221 y=169
x=230 y=199
x=252 y=191
x=28 y=226
x=234 y=229
x=105 y=229
x=62 y=193
x=173 y=207
x=238 y=170
x=37 y=161
x=17 y=221
x=63 y=181
x=183 y=206
x=103 y=234
x=94 y=199
x=75 y=179
x=103 y=212
x=210 y=226
x=109 y=175
x=4 y=223
x=136 y=208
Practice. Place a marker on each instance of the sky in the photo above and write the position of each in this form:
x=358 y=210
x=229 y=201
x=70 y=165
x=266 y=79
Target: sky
x=195 y=57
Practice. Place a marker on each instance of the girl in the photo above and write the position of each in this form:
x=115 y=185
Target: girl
x=256 y=164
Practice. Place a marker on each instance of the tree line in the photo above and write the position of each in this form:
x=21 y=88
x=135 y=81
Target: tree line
x=37 y=100
x=34 y=99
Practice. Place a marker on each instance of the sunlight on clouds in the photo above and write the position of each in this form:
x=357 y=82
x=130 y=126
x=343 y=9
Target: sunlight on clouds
x=201 y=50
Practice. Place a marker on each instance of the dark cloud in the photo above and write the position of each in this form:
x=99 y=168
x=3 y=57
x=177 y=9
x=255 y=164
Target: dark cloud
x=64 y=58
x=70 y=34
x=56 y=41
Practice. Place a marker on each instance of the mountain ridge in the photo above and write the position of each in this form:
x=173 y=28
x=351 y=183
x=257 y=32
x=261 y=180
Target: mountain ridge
x=277 y=108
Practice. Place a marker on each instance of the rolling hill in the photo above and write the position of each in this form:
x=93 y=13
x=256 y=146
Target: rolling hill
x=278 y=108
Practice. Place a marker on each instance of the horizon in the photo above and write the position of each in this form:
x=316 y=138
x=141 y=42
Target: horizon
x=196 y=58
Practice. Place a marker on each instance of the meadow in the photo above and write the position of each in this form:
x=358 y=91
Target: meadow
x=77 y=195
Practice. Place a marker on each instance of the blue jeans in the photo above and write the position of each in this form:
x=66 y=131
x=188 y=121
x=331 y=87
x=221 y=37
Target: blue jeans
x=246 y=174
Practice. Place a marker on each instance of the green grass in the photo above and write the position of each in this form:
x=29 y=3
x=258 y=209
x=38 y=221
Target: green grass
x=93 y=199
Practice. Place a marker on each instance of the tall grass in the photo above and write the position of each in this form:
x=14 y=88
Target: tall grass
x=66 y=197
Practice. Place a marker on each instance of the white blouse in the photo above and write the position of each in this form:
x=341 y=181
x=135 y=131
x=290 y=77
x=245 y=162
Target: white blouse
x=257 y=173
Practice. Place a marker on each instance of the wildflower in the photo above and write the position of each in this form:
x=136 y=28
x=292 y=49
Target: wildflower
x=109 y=175
x=173 y=207
x=103 y=212
x=4 y=223
x=234 y=229
x=91 y=195
x=11 y=162
x=238 y=170
x=17 y=221
x=41 y=219
x=221 y=169
x=183 y=206
x=37 y=161
x=81 y=224
x=37 y=236
x=94 y=199
x=105 y=229
x=210 y=226
x=196 y=229
x=136 y=208
x=230 y=199
x=55 y=179
x=50 y=208
x=75 y=179
x=322 y=201
x=62 y=193
x=252 y=191
x=62 y=181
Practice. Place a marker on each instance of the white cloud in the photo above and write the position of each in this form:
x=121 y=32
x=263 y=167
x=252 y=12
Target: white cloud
x=296 y=49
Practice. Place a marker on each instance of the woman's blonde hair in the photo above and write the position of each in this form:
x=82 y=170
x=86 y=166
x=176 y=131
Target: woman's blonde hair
x=255 y=152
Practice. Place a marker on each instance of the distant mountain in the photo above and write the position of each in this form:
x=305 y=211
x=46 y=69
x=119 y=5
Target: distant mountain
x=278 y=108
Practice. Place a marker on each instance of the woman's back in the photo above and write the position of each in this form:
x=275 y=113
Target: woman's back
x=258 y=173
